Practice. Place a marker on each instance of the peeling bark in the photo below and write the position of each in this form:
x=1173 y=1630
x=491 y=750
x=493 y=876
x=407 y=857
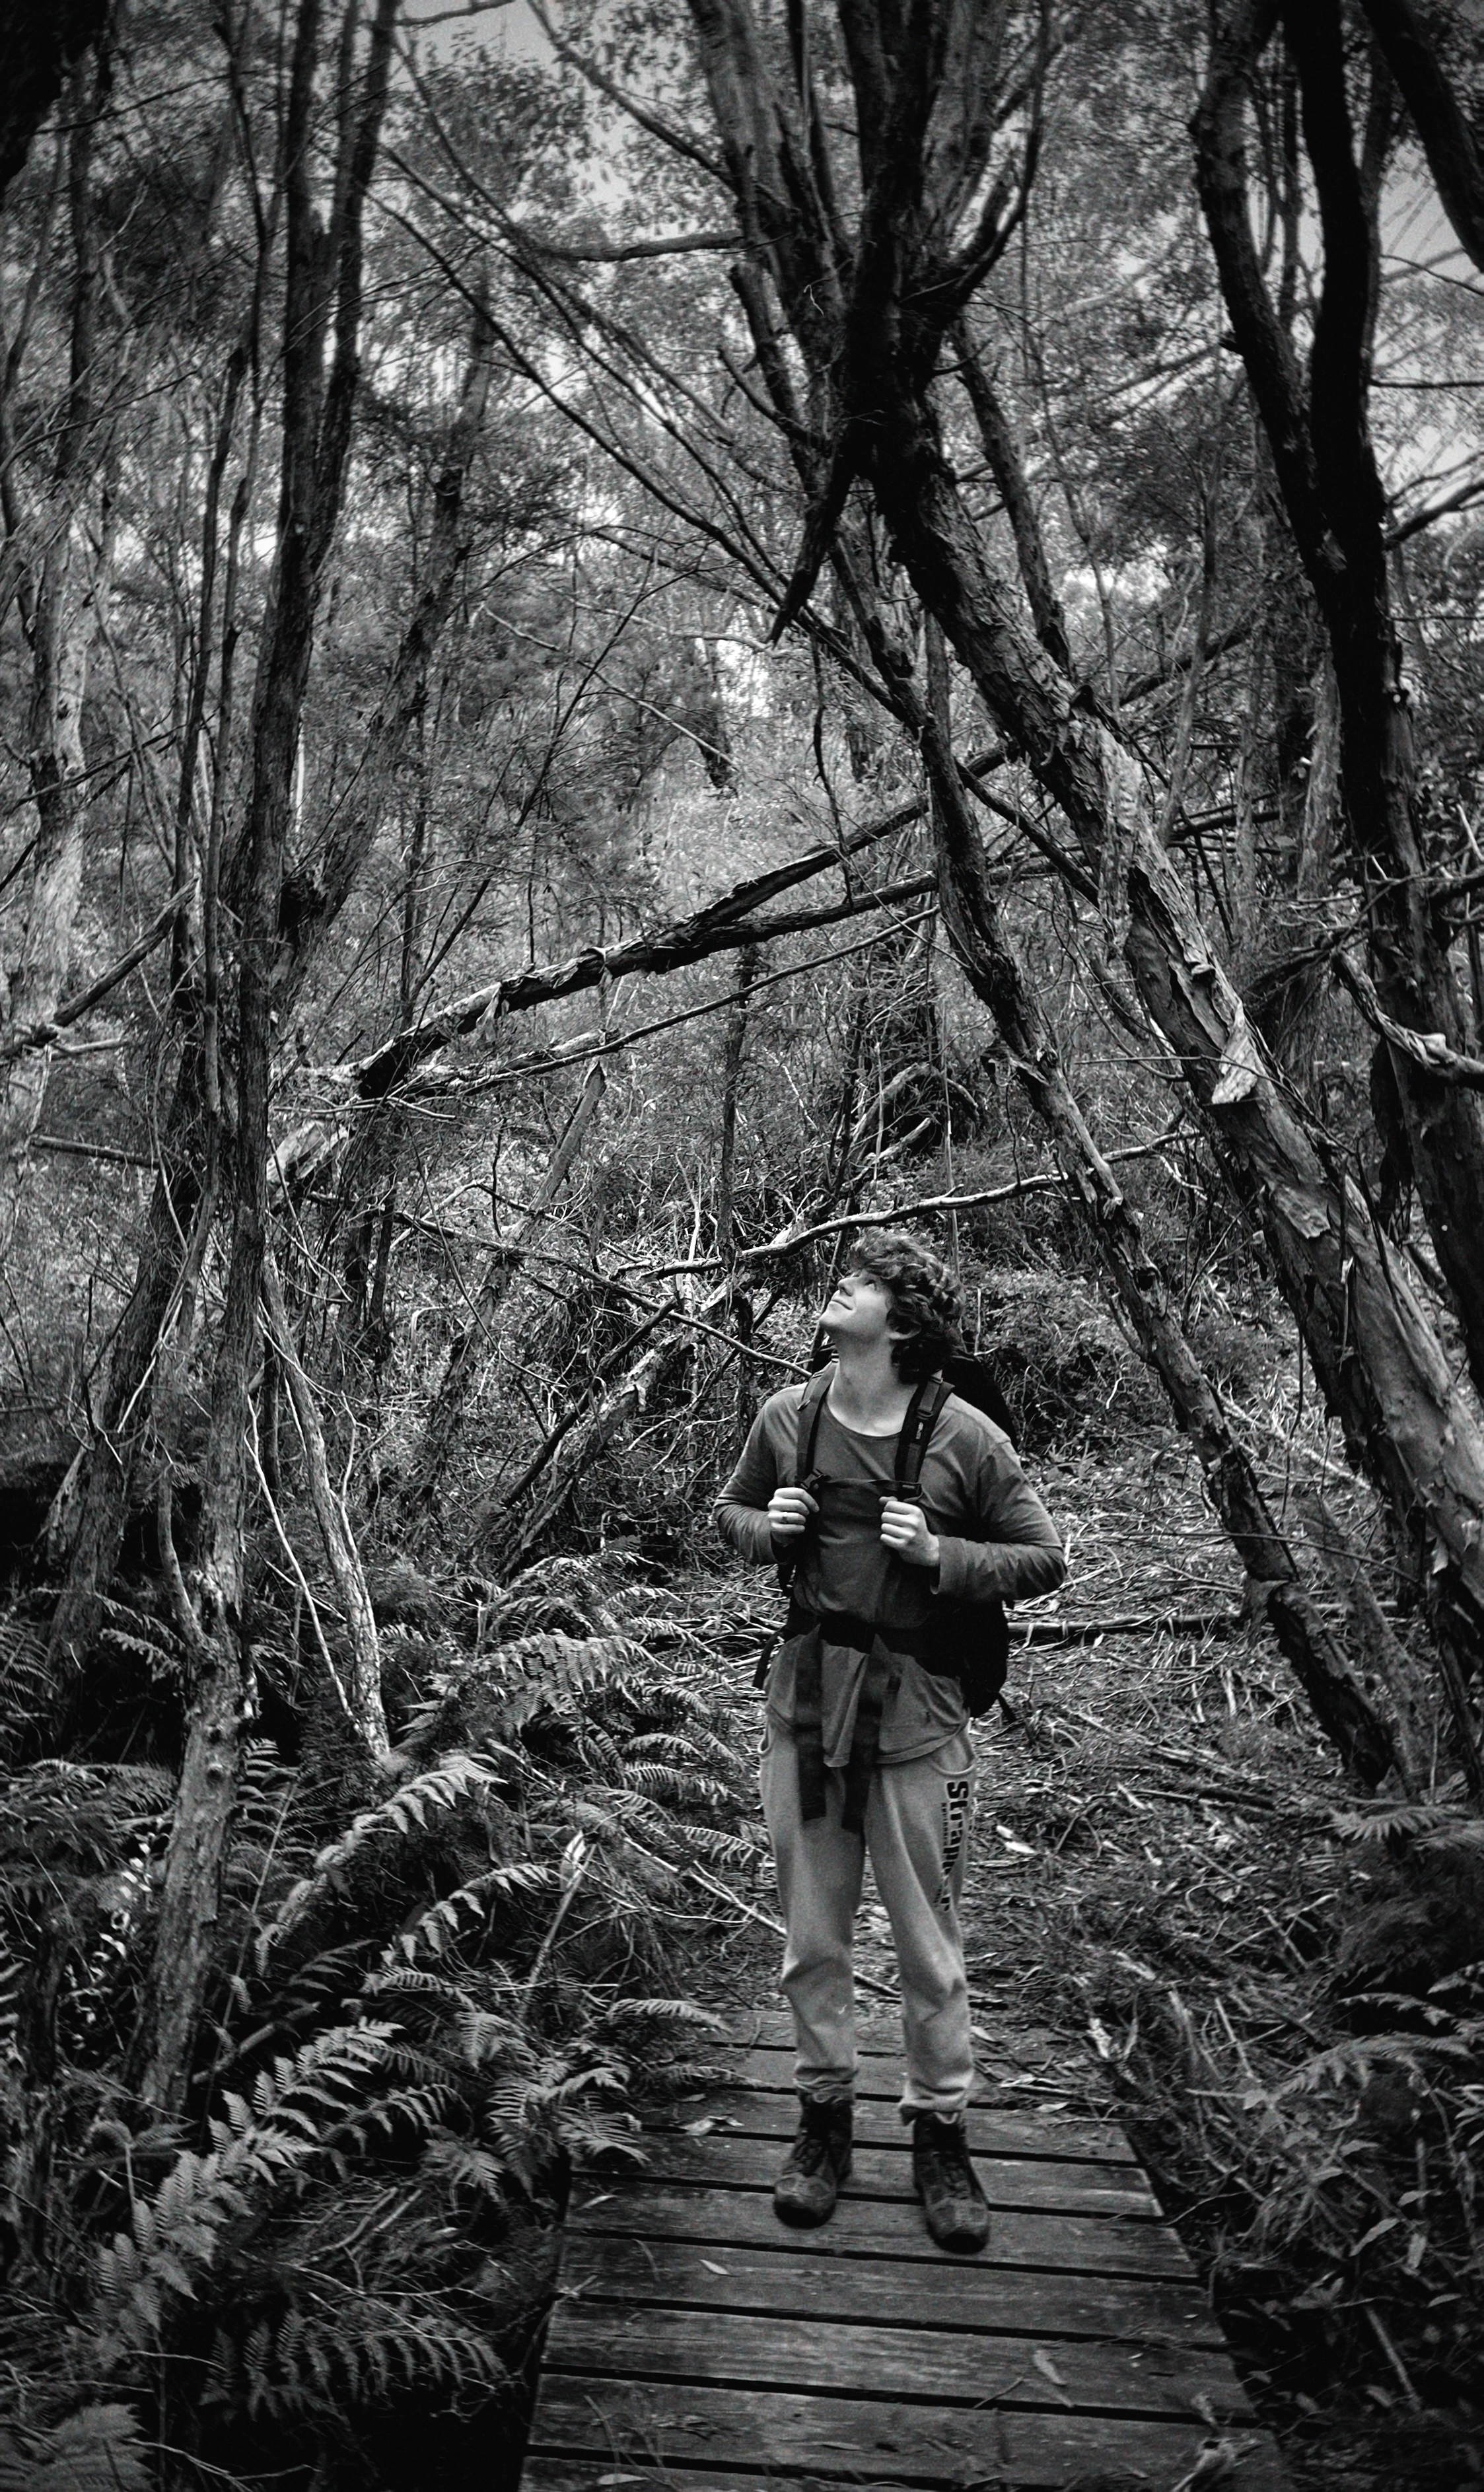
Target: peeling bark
x=70 y=581
x=367 y=1713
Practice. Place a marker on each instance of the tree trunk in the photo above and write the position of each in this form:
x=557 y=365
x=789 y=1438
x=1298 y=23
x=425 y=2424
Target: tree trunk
x=1276 y=1590
x=514 y=1543
x=733 y=1054
x=1325 y=465
x=43 y=40
x=71 y=580
x=731 y=1081
x=317 y=415
x=184 y=1932
x=316 y=903
x=123 y=1421
x=1383 y=1371
x=1002 y=452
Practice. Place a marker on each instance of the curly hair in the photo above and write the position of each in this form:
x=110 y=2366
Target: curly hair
x=926 y=1308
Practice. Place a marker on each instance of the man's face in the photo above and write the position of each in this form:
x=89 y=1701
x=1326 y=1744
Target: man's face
x=860 y=1311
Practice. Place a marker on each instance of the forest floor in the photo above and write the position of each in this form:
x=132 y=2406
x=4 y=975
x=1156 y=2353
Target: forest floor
x=1160 y=1903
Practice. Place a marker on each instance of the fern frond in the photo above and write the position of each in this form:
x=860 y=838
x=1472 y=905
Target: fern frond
x=443 y=1922
x=547 y=1672
x=681 y=1787
x=740 y=1851
x=1354 y=2062
x=30 y=1688
x=256 y=2150
x=444 y=1786
x=99 y=2449
x=358 y=2355
x=658 y=2012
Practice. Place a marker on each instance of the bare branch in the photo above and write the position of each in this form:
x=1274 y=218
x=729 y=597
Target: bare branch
x=42 y=1033
x=1428 y=1049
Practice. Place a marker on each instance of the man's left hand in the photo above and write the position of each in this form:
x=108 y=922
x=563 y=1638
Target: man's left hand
x=904 y=1533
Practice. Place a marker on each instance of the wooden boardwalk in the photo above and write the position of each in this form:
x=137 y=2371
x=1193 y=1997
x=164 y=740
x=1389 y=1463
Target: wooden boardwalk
x=699 y=2345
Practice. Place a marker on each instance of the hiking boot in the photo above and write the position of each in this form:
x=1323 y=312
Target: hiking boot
x=818 y=2160
x=952 y=2199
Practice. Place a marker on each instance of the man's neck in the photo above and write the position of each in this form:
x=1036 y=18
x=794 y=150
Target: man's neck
x=868 y=1394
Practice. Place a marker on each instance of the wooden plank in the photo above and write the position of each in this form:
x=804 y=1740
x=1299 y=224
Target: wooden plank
x=891 y=2228
x=879 y=2079
x=701 y=2346
x=728 y=2161
x=1258 y=2470
x=714 y=2277
x=755 y=2113
x=963 y=2366
x=877 y=2033
x=857 y=2440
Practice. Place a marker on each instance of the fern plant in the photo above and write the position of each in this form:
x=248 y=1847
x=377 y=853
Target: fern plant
x=421 y=2019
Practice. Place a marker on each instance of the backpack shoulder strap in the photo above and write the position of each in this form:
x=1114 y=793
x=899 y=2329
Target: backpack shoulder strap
x=922 y=1416
x=807 y=1428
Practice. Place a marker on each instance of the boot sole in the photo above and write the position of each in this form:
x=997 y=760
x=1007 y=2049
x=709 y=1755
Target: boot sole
x=961 y=2244
x=802 y=2219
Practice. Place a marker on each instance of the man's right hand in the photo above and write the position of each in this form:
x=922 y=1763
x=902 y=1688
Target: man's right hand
x=790 y=1510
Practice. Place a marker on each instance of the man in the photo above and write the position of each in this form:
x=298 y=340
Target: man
x=868 y=1747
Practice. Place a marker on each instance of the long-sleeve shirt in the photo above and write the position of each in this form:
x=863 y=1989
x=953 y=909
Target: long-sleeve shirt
x=995 y=1540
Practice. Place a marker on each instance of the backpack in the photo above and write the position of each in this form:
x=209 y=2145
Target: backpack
x=966 y=1374
x=975 y=1382
x=970 y=1641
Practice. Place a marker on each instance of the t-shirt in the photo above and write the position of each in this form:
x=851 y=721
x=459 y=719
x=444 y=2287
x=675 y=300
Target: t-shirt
x=996 y=1542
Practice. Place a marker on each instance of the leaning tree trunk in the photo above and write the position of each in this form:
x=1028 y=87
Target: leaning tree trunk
x=1276 y=1590
x=1382 y=1369
x=450 y=1402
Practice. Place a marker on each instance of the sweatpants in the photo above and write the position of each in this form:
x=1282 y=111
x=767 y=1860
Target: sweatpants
x=917 y=1819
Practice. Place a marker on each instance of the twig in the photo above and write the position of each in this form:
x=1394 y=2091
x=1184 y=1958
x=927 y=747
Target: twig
x=1384 y=2341
x=1428 y=1049
x=63 y=1144
x=1221 y=1622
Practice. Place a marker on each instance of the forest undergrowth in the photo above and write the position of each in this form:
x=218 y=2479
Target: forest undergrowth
x=429 y=2000
x=433 y=1996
